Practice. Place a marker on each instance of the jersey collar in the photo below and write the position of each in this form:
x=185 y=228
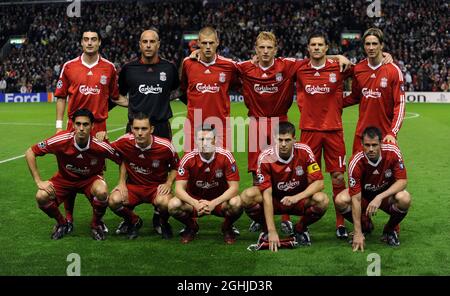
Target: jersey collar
x=374 y=164
x=374 y=67
x=208 y=161
x=92 y=65
x=78 y=147
x=209 y=64
x=146 y=148
x=318 y=67
x=268 y=67
x=281 y=159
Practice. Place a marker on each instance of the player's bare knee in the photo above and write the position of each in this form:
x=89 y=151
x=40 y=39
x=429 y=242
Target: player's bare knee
x=42 y=197
x=235 y=204
x=320 y=199
x=250 y=196
x=162 y=201
x=403 y=199
x=115 y=200
x=342 y=200
x=174 y=206
x=337 y=178
x=100 y=190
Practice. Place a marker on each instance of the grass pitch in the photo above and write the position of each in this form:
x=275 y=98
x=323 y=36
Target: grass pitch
x=26 y=248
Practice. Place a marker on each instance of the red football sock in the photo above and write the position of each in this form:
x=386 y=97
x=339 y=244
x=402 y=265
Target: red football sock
x=397 y=216
x=127 y=214
x=337 y=188
x=312 y=214
x=51 y=209
x=98 y=210
x=69 y=204
x=256 y=213
x=186 y=219
x=285 y=217
x=229 y=220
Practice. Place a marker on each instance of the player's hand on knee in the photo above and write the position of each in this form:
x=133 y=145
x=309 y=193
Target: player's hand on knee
x=288 y=200
x=123 y=190
x=163 y=189
x=390 y=139
x=372 y=207
x=47 y=186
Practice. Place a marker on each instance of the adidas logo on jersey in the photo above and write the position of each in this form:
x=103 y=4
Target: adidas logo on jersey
x=141 y=156
x=373 y=75
x=264 y=75
x=207 y=170
x=288 y=170
x=207 y=71
x=80 y=156
x=90 y=73
x=317 y=74
x=375 y=172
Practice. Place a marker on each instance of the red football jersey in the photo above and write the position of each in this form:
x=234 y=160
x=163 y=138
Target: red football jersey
x=373 y=178
x=207 y=86
x=208 y=179
x=148 y=166
x=381 y=96
x=319 y=96
x=268 y=92
x=75 y=163
x=287 y=177
x=88 y=86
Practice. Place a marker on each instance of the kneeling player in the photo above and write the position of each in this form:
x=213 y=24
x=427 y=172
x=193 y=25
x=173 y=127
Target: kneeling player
x=377 y=179
x=207 y=183
x=81 y=159
x=289 y=182
x=150 y=163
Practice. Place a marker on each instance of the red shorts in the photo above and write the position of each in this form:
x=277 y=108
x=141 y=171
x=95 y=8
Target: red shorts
x=65 y=188
x=260 y=136
x=385 y=204
x=297 y=209
x=138 y=194
x=332 y=144
x=223 y=137
x=99 y=126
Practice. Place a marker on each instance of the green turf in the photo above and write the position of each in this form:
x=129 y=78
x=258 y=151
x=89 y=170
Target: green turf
x=26 y=248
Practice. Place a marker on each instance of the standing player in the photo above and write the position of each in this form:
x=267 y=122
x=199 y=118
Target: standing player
x=377 y=180
x=207 y=183
x=289 y=182
x=379 y=90
x=150 y=163
x=319 y=98
x=149 y=82
x=87 y=81
x=206 y=82
x=81 y=159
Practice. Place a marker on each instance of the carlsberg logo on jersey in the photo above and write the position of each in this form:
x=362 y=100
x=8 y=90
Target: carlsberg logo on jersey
x=317 y=89
x=76 y=170
x=261 y=89
x=145 y=89
x=368 y=93
x=207 y=88
x=89 y=90
x=286 y=186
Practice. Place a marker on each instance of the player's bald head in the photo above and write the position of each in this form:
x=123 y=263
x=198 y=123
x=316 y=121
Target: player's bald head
x=150 y=34
x=208 y=31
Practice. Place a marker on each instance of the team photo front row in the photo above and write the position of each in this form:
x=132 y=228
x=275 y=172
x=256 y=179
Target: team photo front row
x=288 y=181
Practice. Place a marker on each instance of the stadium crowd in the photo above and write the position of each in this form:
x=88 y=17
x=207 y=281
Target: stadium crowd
x=417 y=34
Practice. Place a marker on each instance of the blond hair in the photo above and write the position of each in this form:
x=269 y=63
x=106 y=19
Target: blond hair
x=265 y=35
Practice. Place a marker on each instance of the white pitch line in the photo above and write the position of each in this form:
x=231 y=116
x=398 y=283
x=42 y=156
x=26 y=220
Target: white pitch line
x=23 y=155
